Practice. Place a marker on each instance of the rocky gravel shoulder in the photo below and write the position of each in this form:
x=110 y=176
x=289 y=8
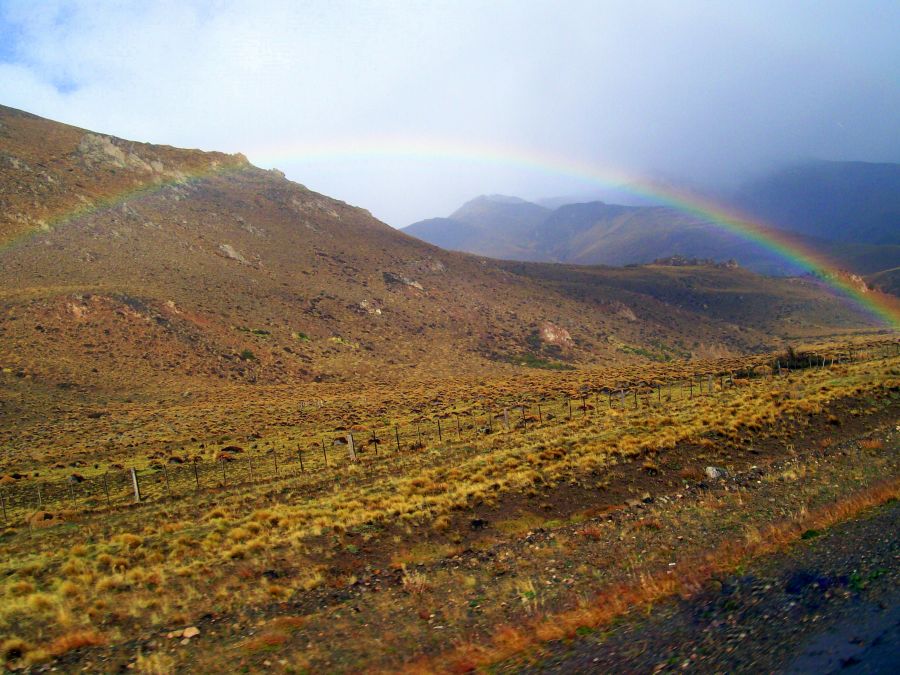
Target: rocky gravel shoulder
x=830 y=603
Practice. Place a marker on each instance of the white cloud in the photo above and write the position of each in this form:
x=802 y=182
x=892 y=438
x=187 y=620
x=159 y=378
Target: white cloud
x=691 y=87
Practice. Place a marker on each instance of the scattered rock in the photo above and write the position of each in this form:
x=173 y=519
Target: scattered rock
x=369 y=307
x=391 y=278
x=798 y=580
x=228 y=251
x=715 y=472
x=552 y=334
x=646 y=498
x=478 y=523
x=190 y=632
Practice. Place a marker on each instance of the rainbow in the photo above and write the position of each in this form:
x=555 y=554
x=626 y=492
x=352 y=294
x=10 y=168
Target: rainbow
x=881 y=306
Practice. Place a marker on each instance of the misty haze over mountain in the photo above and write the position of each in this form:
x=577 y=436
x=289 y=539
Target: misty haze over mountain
x=480 y=94
x=847 y=211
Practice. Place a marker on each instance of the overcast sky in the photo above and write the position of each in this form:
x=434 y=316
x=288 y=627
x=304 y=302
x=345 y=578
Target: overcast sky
x=709 y=92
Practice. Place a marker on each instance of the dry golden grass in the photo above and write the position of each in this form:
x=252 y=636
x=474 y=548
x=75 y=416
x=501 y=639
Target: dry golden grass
x=75 y=640
x=168 y=563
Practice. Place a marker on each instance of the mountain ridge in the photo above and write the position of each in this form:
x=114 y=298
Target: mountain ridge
x=596 y=232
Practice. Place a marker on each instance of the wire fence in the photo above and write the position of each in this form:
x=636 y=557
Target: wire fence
x=323 y=454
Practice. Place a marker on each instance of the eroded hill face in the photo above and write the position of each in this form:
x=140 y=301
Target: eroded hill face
x=187 y=268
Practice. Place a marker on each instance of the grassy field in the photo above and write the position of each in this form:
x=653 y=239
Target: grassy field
x=424 y=556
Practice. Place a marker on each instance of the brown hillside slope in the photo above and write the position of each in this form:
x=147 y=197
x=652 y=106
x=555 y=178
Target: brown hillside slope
x=210 y=269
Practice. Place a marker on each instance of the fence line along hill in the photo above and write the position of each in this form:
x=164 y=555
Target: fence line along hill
x=312 y=459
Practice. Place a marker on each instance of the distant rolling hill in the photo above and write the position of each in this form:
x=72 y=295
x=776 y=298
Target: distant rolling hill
x=886 y=281
x=493 y=225
x=593 y=233
x=850 y=211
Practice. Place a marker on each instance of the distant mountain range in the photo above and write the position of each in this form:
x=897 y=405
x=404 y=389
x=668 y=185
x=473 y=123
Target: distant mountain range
x=849 y=211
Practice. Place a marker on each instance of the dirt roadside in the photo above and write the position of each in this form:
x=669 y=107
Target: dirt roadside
x=830 y=603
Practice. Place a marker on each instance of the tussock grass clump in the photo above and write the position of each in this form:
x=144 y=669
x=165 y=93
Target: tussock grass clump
x=76 y=639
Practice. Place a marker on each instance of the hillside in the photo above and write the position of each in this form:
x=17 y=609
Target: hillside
x=886 y=281
x=210 y=270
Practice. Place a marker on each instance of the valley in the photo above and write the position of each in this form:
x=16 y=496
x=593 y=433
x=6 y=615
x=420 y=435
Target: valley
x=245 y=426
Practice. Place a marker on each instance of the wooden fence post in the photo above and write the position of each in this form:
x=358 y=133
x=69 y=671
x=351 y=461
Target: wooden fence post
x=440 y=434
x=458 y=431
x=375 y=442
x=569 y=402
x=397 y=437
x=196 y=475
x=351 y=446
x=300 y=453
x=39 y=497
x=136 y=485
x=540 y=415
x=524 y=419
x=324 y=453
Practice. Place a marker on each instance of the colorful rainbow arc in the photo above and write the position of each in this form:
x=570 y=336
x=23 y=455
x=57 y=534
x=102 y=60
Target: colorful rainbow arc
x=881 y=306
